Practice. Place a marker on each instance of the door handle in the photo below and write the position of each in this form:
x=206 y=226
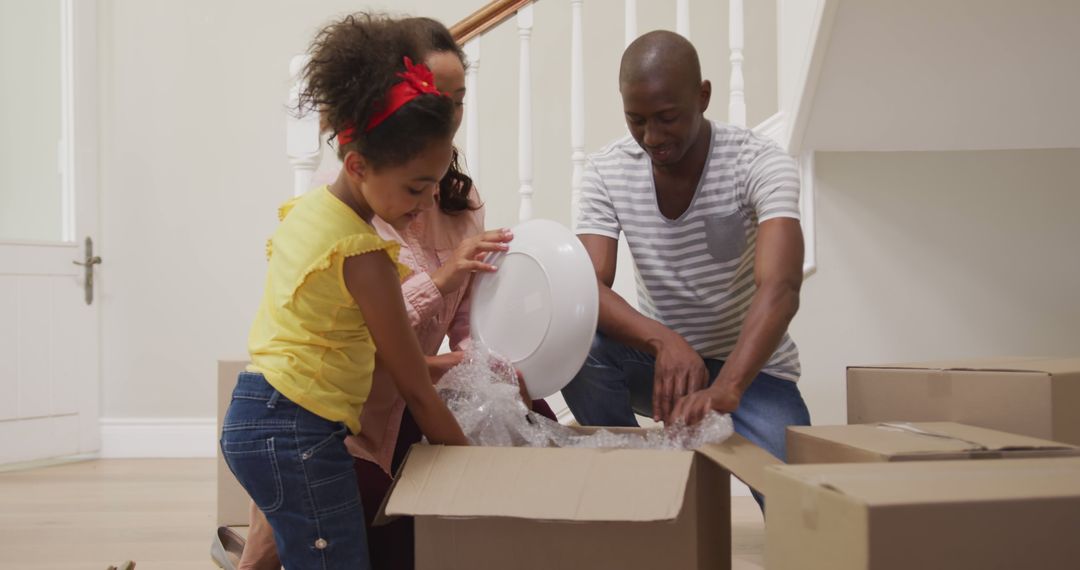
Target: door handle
x=88 y=270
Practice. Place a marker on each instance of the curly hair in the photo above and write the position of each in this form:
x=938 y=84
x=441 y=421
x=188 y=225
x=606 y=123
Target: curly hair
x=432 y=36
x=353 y=64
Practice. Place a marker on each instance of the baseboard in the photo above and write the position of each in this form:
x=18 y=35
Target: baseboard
x=49 y=462
x=158 y=437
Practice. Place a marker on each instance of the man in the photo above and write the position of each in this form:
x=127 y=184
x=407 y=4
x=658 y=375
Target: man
x=710 y=212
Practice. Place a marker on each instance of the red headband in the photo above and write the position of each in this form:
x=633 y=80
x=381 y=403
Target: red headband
x=416 y=80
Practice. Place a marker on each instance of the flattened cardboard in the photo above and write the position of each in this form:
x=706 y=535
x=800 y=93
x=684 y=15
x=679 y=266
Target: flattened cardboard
x=921 y=441
x=583 y=485
x=961 y=515
x=744 y=459
x=1036 y=397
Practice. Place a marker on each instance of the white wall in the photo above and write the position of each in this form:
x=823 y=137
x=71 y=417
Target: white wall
x=956 y=75
x=921 y=255
x=193 y=168
x=795 y=31
x=939 y=255
x=193 y=164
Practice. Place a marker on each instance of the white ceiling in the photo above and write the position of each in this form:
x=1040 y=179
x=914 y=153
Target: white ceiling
x=949 y=75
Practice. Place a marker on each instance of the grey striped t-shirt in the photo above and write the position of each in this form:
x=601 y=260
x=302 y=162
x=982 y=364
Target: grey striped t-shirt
x=695 y=274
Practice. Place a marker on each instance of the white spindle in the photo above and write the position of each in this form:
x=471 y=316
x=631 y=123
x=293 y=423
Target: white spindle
x=302 y=139
x=737 y=99
x=577 y=106
x=630 y=7
x=682 y=18
x=525 y=24
x=472 y=109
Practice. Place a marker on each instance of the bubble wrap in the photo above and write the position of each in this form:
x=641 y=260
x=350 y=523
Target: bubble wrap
x=482 y=392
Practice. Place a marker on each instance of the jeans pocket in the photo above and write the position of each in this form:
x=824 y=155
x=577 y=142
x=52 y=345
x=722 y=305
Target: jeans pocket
x=725 y=236
x=255 y=465
x=332 y=475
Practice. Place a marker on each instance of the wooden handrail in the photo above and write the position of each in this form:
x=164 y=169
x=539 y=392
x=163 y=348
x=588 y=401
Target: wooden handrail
x=490 y=15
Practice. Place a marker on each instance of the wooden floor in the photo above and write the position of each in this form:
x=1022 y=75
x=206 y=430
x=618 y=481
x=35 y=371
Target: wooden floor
x=160 y=513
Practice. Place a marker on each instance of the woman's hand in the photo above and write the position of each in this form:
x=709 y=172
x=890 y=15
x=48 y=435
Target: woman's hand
x=524 y=390
x=468 y=259
x=440 y=364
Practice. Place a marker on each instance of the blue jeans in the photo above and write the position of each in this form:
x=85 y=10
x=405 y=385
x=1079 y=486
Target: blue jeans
x=617 y=381
x=295 y=467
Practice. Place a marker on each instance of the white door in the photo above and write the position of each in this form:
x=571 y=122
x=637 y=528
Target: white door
x=49 y=334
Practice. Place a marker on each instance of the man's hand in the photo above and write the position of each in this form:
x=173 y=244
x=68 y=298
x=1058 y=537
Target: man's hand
x=679 y=371
x=692 y=408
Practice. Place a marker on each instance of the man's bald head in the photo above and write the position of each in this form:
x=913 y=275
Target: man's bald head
x=661 y=56
x=664 y=99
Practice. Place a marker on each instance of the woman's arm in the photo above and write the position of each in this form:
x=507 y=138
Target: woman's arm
x=423 y=300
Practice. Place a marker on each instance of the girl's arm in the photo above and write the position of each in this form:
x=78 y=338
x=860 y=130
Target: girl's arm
x=372 y=280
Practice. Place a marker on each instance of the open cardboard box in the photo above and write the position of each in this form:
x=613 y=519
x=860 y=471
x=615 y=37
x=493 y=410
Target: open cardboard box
x=921 y=441
x=1037 y=397
x=542 y=508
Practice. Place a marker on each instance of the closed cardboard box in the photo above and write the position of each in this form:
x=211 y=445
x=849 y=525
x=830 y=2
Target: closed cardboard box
x=920 y=441
x=1037 y=397
x=955 y=515
x=543 y=508
x=232 y=499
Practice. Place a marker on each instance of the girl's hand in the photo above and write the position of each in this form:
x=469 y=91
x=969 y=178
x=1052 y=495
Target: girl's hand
x=468 y=258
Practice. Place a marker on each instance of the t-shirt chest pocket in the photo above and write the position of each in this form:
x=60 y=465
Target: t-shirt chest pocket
x=725 y=236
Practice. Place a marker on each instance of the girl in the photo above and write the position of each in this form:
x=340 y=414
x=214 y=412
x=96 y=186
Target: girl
x=440 y=247
x=333 y=295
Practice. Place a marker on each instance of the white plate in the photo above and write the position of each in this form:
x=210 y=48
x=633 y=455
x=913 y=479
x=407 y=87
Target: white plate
x=539 y=309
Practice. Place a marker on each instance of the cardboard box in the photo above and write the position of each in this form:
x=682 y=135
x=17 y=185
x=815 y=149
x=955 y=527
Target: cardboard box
x=542 y=508
x=232 y=499
x=1037 y=397
x=956 y=515
x=924 y=441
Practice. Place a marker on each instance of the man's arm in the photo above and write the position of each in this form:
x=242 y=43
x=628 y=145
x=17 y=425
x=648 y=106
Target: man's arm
x=778 y=263
x=679 y=368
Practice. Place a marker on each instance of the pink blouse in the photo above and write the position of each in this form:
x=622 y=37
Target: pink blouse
x=426 y=244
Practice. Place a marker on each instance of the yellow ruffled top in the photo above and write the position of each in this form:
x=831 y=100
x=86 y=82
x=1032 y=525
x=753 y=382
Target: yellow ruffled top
x=309 y=338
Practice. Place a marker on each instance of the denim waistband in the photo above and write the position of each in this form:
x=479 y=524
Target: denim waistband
x=253 y=385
